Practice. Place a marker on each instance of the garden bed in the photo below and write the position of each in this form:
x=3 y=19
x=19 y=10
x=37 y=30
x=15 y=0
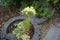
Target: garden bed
x=43 y=27
x=5 y=15
x=43 y=20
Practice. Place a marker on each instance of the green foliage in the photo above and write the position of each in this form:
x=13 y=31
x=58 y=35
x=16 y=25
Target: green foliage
x=36 y=4
x=9 y=4
x=42 y=10
x=22 y=26
x=39 y=10
x=51 y=13
x=6 y=2
x=24 y=4
x=45 y=12
x=56 y=3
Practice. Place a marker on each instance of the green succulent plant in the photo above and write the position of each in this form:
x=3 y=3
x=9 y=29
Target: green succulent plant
x=29 y=11
x=21 y=27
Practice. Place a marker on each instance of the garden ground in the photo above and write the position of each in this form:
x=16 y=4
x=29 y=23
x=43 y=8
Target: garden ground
x=44 y=27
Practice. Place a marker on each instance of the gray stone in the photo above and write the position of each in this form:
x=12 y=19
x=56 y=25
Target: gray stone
x=39 y=20
x=57 y=24
x=11 y=37
x=53 y=34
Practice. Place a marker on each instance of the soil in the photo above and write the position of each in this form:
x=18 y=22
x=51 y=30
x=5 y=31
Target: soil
x=5 y=15
x=14 y=25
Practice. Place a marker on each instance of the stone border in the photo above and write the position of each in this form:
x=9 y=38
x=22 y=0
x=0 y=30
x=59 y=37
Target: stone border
x=4 y=28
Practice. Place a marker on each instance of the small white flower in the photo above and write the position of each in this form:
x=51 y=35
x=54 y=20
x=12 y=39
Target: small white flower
x=29 y=10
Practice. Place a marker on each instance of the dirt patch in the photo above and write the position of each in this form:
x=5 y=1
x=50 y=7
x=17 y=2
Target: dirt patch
x=44 y=28
x=5 y=15
x=12 y=26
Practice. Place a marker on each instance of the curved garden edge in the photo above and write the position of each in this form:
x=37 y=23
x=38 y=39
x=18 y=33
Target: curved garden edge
x=38 y=20
x=35 y=25
x=5 y=26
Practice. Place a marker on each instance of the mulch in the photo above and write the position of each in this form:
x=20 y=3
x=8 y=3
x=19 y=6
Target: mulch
x=5 y=15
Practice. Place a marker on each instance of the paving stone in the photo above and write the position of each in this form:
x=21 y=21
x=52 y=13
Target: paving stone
x=53 y=34
x=57 y=24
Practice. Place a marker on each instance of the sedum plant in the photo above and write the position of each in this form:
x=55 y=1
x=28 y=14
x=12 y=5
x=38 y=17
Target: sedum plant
x=25 y=37
x=29 y=11
x=22 y=27
x=43 y=12
x=25 y=24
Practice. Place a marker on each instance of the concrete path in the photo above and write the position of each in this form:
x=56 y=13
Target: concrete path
x=53 y=33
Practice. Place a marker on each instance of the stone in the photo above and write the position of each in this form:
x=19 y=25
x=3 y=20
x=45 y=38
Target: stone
x=53 y=33
x=57 y=24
